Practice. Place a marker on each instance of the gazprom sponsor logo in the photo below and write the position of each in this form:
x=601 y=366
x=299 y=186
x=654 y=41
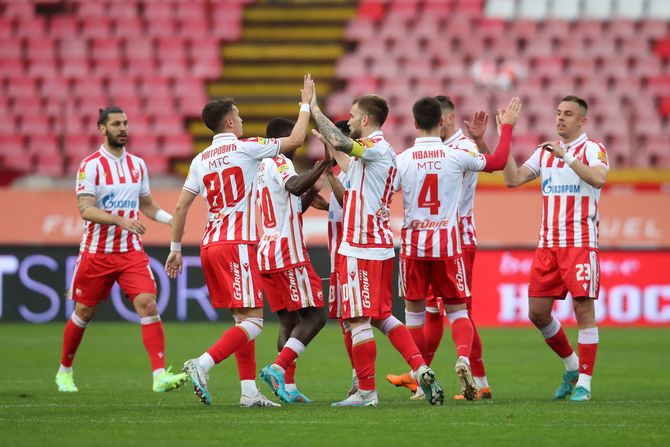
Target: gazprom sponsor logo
x=549 y=188
x=109 y=203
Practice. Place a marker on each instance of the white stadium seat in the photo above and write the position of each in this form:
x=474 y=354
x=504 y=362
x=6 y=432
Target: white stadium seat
x=533 y=9
x=630 y=9
x=565 y=9
x=597 y=9
x=503 y=9
x=658 y=9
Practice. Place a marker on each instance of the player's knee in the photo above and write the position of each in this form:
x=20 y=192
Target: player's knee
x=145 y=305
x=539 y=318
x=84 y=313
x=253 y=326
x=315 y=317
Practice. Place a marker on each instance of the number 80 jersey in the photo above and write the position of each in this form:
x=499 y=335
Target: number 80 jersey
x=224 y=174
x=431 y=177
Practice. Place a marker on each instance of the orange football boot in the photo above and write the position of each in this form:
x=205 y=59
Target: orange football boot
x=405 y=380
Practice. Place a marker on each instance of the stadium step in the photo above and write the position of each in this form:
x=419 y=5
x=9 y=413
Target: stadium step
x=293 y=33
x=279 y=43
x=238 y=72
x=298 y=13
x=262 y=89
x=281 y=52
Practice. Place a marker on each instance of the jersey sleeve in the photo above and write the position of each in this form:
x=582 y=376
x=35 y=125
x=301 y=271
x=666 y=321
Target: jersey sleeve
x=192 y=183
x=470 y=160
x=284 y=170
x=259 y=148
x=533 y=162
x=144 y=184
x=397 y=182
x=86 y=175
x=367 y=149
x=596 y=155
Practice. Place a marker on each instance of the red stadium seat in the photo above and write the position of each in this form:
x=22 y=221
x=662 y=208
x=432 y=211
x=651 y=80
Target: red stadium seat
x=142 y=145
x=34 y=28
x=168 y=125
x=7 y=126
x=51 y=165
x=203 y=48
x=371 y=9
x=105 y=49
x=138 y=50
x=122 y=86
x=6 y=29
x=23 y=87
x=40 y=48
x=126 y=10
x=177 y=146
x=63 y=27
x=72 y=49
x=191 y=10
x=11 y=49
x=157 y=27
x=95 y=28
x=88 y=87
x=93 y=10
x=43 y=144
x=205 y=68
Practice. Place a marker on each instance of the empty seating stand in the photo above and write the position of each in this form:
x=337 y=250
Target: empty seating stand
x=615 y=54
x=62 y=63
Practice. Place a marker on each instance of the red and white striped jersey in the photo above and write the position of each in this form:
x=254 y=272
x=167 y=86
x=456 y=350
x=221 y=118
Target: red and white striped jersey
x=335 y=214
x=117 y=184
x=569 y=204
x=282 y=244
x=431 y=177
x=224 y=174
x=366 y=222
x=466 y=210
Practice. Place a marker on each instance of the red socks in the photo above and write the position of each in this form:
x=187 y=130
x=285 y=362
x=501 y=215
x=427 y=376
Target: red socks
x=231 y=340
x=476 y=362
x=403 y=342
x=289 y=374
x=433 y=329
x=71 y=338
x=365 y=355
x=154 y=342
x=560 y=344
x=246 y=361
x=462 y=333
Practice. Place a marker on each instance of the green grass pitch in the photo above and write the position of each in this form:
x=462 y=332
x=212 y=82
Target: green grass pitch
x=115 y=405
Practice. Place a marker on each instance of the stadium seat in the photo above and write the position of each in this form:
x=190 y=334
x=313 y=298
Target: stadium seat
x=659 y=9
x=504 y=9
x=597 y=9
x=42 y=144
x=22 y=87
x=180 y=145
x=63 y=27
x=168 y=125
x=533 y=9
x=50 y=164
x=106 y=50
x=565 y=9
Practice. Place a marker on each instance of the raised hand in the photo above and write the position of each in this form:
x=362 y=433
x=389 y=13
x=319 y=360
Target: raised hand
x=307 y=90
x=511 y=113
x=477 y=127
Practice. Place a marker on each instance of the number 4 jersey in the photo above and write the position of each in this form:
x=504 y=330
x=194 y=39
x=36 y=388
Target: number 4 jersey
x=431 y=177
x=225 y=174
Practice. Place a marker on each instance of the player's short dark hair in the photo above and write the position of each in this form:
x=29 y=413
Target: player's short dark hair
x=373 y=106
x=103 y=114
x=279 y=128
x=343 y=126
x=446 y=103
x=427 y=113
x=215 y=111
x=581 y=101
